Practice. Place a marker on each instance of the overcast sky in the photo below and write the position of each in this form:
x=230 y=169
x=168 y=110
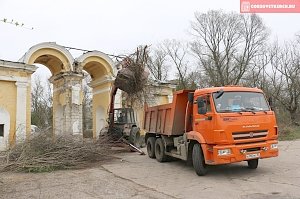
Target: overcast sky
x=112 y=26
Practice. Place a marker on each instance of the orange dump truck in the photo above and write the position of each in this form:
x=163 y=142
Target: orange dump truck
x=212 y=126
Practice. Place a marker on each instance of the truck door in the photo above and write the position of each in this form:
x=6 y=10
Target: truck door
x=203 y=116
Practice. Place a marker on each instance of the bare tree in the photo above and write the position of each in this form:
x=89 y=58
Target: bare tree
x=157 y=64
x=41 y=103
x=177 y=53
x=226 y=44
x=285 y=77
x=258 y=76
x=87 y=103
x=196 y=79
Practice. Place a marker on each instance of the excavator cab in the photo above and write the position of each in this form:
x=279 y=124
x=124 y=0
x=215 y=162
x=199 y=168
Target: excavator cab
x=124 y=125
x=130 y=79
x=124 y=116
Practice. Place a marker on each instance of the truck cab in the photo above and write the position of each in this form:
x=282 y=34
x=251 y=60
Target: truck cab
x=220 y=125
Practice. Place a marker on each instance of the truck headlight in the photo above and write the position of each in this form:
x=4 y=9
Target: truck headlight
x=224 y=152
x=274 y=146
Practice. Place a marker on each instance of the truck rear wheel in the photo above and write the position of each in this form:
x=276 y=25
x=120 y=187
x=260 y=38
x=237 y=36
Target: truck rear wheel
x=151 y=147
x=160 y=150
x=198 y=160
x=252 y=164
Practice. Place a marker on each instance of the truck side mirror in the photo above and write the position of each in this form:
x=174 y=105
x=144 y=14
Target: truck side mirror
x=191 y=97
x=201 y=105
x=270 y=100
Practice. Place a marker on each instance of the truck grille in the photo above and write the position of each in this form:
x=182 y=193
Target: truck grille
x=249 y=134
x=253 y=149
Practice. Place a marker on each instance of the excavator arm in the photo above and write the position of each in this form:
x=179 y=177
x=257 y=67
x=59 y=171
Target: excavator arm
x=112 y=105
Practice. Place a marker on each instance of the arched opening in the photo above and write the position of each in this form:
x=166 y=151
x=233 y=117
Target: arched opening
x=59 y=62
x=96 y=70
x=53 y=63
x=68 y=87
x=51 y=55
x=87 y=106
x=46 y=108
x=47 y=93
x=41 y=98
x=101 y=69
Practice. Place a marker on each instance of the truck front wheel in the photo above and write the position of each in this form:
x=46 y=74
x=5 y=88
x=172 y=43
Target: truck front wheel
x=198 y=160
x=160 y=150
x=252 y=164
x=151 y=147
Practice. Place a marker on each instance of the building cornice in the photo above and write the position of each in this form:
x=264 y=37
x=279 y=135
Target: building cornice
x=17 y=66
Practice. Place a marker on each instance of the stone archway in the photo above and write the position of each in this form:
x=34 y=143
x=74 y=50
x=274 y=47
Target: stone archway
x=67 y=75
x=67 y=108
x=102 y=71
x=50 y=54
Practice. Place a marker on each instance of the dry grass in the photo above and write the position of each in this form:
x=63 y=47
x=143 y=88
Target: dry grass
x=41 y=153
x=289 y=132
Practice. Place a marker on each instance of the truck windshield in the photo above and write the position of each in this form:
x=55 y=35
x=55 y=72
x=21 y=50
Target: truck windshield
x=240 y=101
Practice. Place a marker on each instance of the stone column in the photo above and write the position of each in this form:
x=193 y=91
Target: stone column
x=57 y=108
x=21 y=110
x=67 y=103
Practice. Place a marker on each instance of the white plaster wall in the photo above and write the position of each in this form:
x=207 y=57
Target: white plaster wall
x=76 y=127
x=76 y=94
x=21 y=111
x=58 y=120
x=100 y=118
x=4 y=119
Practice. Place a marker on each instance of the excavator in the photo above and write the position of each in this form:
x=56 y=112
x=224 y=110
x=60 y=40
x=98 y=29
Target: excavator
x=122 y=121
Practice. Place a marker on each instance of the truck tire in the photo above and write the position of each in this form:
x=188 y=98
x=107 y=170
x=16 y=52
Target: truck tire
x=252 y=164
x=151 y=147
x=160 y=151
x=198 y=160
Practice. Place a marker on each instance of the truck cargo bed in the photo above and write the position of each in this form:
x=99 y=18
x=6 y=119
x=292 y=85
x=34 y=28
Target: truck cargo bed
x=167 y=119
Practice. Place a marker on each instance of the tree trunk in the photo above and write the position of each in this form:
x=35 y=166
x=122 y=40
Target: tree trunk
x=294 y=119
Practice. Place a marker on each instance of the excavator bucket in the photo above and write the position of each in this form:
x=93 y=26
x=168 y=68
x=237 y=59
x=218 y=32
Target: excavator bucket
x=124 y=79
x=128 y=81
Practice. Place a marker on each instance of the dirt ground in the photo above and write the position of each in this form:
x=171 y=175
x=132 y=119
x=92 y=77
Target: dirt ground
x=136 y=176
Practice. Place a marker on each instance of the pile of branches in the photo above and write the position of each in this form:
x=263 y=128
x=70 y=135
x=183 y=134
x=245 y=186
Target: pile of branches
x=133 y=78
x=43 y=153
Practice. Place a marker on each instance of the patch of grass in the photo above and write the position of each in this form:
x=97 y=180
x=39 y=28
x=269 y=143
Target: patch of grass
x=41 y=169
x=289 y=133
